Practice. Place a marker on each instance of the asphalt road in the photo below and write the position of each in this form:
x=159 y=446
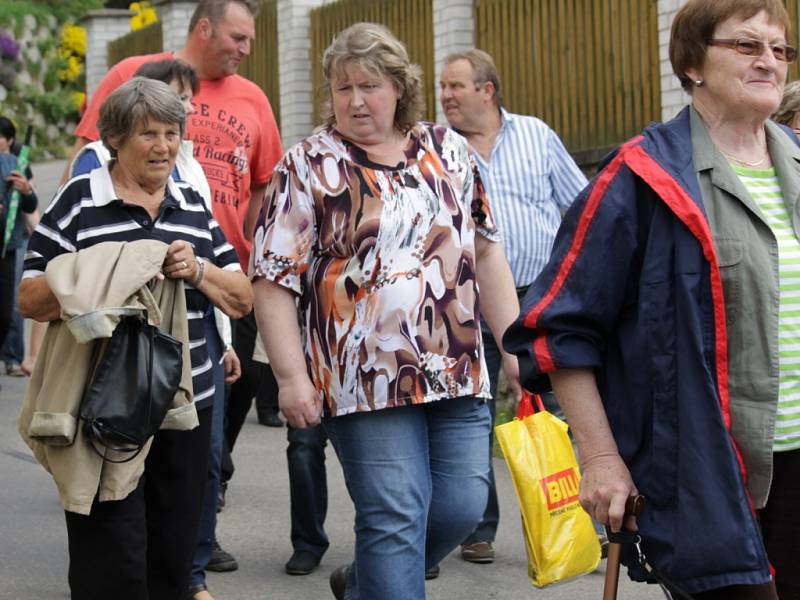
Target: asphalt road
x=254 y=526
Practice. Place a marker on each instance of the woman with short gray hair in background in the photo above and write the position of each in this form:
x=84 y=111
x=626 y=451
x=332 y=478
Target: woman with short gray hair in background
x=138 y=544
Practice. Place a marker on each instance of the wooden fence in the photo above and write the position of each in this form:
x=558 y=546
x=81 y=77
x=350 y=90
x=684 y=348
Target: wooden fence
x=792 y=8
x=589 y=69
x=410 y=20
x=261 y=66
x=146 y=40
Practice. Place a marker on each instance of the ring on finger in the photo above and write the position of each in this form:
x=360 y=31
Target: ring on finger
x=185 y=266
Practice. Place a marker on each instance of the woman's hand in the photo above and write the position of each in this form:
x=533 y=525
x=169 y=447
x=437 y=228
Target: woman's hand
x=180 y=261
x=605 y=486
x=20 y=183
x=231 y=366
x=299 y=402
x=511 y=370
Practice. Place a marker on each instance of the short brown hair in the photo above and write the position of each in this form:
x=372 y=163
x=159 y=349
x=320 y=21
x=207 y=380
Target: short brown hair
x=214 y=11
x=376 y=50
x=483 y=68
x=695 y=22
x=790 y=105
x=169 y=70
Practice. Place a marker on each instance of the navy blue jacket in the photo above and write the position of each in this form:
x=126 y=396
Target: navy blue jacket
x=633 y=291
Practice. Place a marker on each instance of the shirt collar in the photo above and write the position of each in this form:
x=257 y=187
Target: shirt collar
x=102 y=188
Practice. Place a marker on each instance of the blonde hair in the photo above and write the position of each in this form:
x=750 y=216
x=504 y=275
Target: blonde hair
x=374 y=49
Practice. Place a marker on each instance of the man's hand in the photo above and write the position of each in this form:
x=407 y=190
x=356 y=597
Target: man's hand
x=231 y=365
x=299 y=402
x=605 y=486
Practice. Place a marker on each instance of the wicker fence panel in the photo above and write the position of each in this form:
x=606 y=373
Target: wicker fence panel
x=410 y=20
x=147 y=40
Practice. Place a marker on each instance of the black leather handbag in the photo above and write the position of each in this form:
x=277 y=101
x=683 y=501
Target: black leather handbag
x=134 y=378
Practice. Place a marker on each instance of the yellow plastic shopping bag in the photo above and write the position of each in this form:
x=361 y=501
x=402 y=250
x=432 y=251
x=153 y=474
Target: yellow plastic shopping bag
x=559 y=537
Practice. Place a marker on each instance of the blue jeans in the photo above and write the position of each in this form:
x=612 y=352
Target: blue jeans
x=208 y=518
x=418 y=477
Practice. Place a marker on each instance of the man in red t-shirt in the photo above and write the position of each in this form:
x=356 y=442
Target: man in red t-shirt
x=237 y=142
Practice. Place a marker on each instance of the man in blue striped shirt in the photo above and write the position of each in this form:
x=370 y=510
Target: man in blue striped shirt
x=531 y=180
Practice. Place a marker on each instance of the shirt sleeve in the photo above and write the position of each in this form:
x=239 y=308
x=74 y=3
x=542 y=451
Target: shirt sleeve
x=566 y=178
x=55 y=234
x=269 y=150
x=225 y=256
x=86 y=162
x=481 y=211
x=285 y=233
x=574 y=305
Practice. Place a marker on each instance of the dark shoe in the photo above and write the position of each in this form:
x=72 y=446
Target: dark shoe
x=14 y=370
x=221 y=561
x=432 y=573
x=479 y=552
x=302 y=562
x=195 y=589
x=338 y=581
x=270 y=420
x=223 y=487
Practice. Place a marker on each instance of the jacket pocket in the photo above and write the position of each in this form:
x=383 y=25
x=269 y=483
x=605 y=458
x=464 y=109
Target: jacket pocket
x=729 y=255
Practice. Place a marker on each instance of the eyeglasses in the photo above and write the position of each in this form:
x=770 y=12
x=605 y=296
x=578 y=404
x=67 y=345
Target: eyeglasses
x=750 y=47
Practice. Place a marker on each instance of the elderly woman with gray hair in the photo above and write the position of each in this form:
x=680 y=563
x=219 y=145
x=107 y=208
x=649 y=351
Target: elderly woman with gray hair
x=140 y=546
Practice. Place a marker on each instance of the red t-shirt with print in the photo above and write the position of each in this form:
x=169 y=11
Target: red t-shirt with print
x=236 y=140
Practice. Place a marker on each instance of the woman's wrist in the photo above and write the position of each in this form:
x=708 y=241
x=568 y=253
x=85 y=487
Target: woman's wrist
x=201 y=272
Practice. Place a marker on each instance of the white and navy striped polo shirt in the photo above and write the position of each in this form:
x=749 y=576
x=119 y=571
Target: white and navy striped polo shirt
x=86 y=211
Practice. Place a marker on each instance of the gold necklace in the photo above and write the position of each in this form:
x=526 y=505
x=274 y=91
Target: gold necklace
x=744 y=163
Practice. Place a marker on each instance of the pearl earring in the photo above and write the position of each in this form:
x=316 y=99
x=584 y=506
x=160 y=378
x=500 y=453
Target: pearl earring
x=699 y=82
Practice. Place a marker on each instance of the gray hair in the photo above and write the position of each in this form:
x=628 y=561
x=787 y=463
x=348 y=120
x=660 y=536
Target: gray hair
x=483 y=70
x=214 y=11
x=790 y=105
x=134 y=102
x=375 y=49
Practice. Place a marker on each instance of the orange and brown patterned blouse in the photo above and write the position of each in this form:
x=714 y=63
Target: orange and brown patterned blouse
x=383 y=261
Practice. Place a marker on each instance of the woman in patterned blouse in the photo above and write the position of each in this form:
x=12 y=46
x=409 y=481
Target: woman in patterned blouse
x=370 y=225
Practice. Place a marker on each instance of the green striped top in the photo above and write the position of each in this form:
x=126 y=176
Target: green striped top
x=766 y=193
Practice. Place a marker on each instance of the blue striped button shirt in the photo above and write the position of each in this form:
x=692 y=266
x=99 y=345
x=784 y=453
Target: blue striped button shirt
x=87 y=211
x=530 y=179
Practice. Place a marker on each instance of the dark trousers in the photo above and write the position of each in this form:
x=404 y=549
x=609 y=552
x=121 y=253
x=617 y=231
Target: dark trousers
x=242 y=392
x=780 y=523
x=308 y=488
x=8 y=266
x=141 y=547
x=487 y=528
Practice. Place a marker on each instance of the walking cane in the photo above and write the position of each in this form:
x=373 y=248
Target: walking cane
x=634 y=506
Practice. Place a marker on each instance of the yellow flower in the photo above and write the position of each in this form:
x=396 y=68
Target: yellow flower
x=78 y=99
x=72 y=69
x=145 y=15
x=73 y=40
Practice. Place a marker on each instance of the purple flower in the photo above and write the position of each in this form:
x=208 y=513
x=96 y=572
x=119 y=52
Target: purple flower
x=8 y=47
